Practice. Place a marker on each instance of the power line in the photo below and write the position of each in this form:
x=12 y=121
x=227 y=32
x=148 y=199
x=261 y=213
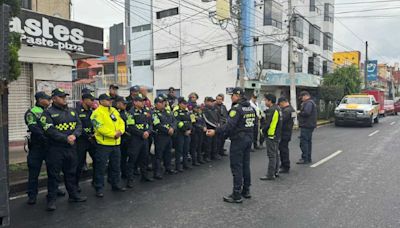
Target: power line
x=368 y=10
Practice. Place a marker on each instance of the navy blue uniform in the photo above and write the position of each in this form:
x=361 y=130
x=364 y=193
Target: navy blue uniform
x=58 y=123
x=125 y=140
x=184 y=124
x=197 y=136
x=138 y=123
x=162 y=122
x=239 y=128
x=85 y=143
x=38 y=147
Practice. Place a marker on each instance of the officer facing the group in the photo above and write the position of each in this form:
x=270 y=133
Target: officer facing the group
x=287 y=128
x=85 y=143
x=239 y=128
x=37 y=144
x=62 y=127
x=108 y=129
x=164 y=128
x=140 y=128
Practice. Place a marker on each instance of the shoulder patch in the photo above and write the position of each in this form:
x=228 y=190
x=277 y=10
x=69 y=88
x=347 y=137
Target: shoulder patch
x=30 y=119
x=232 y=113
x=72 y=113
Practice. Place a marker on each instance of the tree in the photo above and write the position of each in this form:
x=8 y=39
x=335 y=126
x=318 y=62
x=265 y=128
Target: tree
x=330 y=95
x=347 y=77
x=15 y=42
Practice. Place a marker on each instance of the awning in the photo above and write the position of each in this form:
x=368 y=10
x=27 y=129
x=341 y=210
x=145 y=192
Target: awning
x=44 y=56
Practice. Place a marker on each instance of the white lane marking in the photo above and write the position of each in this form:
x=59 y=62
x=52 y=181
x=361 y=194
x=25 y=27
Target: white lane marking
x=44 y=191
x=373 y=133
x=326 y=159
x=392 y=123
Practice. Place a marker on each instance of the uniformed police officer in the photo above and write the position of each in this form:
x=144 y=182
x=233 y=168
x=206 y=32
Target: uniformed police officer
x=108 y=129
x=62 y=127
x=85 y=143
x=164 y=127
x=140 y=129
x=239 y=128
x=196 y=140
x=37 y=144
x=184 y=129
x=121 y=104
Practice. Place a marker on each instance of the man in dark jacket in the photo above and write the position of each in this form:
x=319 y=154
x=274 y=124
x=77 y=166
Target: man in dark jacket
x=212 y=119
x=307 y=117
x=287 y=128
x=272 y=131
x=223 y=116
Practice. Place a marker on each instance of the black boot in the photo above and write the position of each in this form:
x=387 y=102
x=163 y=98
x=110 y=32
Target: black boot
x=246 y=193
x=77 y=199
x=60 y=193
x=51 y=205
x=129 y=183
x=146 y=179
x=235 y=197
x=31 y=200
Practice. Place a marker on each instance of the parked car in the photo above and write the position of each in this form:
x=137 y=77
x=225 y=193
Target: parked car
x=389 y=107
x=397 y=107
x=357 y=109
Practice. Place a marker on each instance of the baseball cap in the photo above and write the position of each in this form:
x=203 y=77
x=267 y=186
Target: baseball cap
x=86 y=90
x=209 y=99
x=42 y=95
x=238 y=91
x=104 y=96
x=114 y=86
x=182 y=100
x=165 y=96
x=58 y=93
x=138 y=97
x=87 y=96
x=121 y=99
x=159 y=99
x=135 y=88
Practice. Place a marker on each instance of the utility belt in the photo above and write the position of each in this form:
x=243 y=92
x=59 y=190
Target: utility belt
x=240 y=135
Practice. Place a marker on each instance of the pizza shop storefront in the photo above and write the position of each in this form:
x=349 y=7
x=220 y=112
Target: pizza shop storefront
x=49 y=47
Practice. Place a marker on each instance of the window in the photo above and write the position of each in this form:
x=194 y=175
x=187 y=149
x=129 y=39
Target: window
x=313 y=7
x=314 y=65
x=141 y=28
x=141 y=63
x=272 y=13
x=26 y=4
x=315 y=35
x=326 y=67
x=298 y=27
x=167 y=55
x=167 y=13
x=229 y=51
x=328 y=12
x=272 y=57
x=299 y=64
x=328 y=41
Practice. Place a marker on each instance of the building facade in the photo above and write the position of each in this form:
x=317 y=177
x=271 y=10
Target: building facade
x=50 y=44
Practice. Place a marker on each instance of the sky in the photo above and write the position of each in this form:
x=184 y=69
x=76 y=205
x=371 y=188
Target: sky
x=377 y=24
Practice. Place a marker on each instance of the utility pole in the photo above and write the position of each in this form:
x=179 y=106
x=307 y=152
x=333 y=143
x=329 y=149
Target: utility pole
x=240 y=48
x=366 y=66
x=292 y=75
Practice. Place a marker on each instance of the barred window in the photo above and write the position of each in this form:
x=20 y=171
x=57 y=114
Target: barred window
x=315 y=35
x=328 y=41
x=328 y=12
x=272 y=57
x=272 y=13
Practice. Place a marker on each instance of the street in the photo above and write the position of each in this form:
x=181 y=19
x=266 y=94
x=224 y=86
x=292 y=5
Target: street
x=357 y=185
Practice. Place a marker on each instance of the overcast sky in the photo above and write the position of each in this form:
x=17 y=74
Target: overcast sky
x=378 y=27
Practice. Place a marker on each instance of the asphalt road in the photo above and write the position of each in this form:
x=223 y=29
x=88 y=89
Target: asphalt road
x=354 y=182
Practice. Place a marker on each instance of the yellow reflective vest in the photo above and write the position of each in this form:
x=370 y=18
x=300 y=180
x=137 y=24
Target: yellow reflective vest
x=106 y=122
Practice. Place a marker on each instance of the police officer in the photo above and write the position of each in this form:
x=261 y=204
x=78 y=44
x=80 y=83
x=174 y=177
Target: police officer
x=85 y=143
x=164 y=127
x=37 y=143
x=134 y=91
x=108 y=129
x=140 y=129
x=239 y=128
x=184 y=129
x=113 y=93
x=223 y=115
x=121 y=104
x=196 y=140
x=62 y=127
x=272 y=131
